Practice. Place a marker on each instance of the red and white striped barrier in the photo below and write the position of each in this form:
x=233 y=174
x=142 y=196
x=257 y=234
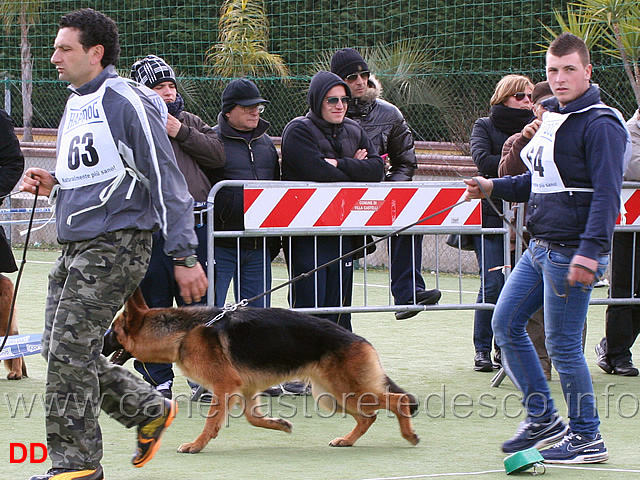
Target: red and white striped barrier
x=631 y=202
x=328 y=207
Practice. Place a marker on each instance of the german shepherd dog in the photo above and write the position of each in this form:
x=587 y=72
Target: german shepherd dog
x=16 y=366
x=249 y=349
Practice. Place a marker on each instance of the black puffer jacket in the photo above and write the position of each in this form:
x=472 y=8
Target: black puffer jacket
x=11 y=159
x=387 y=129
x=256 y=159
x=486 y=149
x=307 y=141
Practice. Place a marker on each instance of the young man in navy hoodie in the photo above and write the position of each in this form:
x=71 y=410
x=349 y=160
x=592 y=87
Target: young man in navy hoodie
x=575 y=164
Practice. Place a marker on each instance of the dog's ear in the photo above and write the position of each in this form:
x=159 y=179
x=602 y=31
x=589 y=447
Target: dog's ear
x=136 y=304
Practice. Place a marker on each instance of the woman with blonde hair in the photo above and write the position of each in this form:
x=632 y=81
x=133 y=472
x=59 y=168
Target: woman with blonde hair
x=511 y=110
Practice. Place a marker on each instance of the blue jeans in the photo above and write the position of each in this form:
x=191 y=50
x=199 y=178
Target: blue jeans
x=539 y=279
x=491 y=283
x=250 y=271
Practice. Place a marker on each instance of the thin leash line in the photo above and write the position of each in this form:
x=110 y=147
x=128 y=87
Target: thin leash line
x=513 y=228
x=20 y=270
x=2 y=197
x=351 y=253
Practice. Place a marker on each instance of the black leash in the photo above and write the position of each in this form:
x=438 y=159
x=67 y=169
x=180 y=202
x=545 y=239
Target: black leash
x=21 y=268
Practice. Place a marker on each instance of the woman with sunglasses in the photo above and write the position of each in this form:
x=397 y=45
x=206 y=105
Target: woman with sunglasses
x=511 y=110
x=324 y=146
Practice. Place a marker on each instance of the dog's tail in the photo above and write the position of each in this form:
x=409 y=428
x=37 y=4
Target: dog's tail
x=413 y=401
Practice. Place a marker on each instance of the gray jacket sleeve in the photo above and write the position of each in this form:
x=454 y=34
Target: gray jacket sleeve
x=155 y=160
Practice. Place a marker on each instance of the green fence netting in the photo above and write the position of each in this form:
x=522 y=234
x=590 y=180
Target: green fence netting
x=466 y=46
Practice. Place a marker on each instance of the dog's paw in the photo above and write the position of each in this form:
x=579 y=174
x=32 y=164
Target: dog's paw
x=188 y=448
x=340 y=442
x=413 y=439
x=282 y=424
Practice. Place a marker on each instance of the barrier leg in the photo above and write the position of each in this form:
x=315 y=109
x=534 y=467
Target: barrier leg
x=498 y=378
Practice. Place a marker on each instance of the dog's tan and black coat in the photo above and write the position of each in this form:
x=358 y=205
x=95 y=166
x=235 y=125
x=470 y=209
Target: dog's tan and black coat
x=249 y=349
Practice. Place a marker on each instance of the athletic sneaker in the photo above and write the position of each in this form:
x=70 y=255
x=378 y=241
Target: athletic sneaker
x=150 y=433
x=577 y=448
x=66 y=474
x=165 y=389
x=537 y=435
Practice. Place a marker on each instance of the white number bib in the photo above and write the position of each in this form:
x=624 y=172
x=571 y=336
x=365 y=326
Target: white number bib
x=87 y=153
x=538 y=154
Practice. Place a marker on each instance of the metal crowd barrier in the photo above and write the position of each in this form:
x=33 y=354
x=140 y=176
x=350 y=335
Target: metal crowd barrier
x=288 y=209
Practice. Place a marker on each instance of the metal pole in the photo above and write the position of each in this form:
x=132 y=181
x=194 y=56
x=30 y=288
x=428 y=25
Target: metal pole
x=7 y=95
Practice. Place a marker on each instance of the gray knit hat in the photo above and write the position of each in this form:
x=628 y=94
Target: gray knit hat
x=152 y=70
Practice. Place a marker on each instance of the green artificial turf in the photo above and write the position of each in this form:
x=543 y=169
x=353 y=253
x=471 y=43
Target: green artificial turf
x=462 y=419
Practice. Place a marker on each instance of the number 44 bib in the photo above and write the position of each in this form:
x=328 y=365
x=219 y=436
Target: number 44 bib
x=87 y=153
x=538 y=154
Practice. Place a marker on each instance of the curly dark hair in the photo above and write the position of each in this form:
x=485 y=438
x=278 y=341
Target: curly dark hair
x=95 y=29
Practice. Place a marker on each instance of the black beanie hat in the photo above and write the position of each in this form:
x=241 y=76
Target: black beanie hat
x=240 y=92
x=347 y=61
x=152 y=70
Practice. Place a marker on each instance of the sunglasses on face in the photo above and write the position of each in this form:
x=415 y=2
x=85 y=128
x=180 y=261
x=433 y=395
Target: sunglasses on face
x=333 y=101
x=253 y=108
x=354 y=76
x=520 y=96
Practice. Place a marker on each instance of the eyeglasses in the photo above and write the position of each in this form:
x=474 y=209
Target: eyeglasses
x=333 y=101
x=354 y=76
x=520 y=96
x=253 y=108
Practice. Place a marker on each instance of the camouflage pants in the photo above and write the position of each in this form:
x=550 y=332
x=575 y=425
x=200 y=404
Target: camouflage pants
x=87 y=286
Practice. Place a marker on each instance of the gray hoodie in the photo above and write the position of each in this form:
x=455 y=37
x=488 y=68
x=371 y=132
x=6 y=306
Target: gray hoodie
x=152 y=195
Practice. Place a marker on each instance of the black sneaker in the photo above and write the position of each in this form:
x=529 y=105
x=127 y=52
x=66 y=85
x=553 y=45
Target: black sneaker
x=625 y=368
x=150 y=434
x=201 y=394
x=601 y=356
x=577 y=448
x=289 y=388
x=165 y=389
x=536 y=435
x=67 y=474
x=423 y=297
x=497 y=359
x=482 y=362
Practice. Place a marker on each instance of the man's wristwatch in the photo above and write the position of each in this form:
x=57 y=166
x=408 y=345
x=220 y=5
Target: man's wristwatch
x=188 y=261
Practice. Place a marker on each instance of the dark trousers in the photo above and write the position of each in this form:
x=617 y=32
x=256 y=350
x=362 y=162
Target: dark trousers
x=623 y=321
x=491 y=283
x=160 y=290
x=331 y=286
x=406 y=277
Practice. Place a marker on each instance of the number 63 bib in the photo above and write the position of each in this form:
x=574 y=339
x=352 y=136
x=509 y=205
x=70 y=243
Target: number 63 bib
x=87 y=153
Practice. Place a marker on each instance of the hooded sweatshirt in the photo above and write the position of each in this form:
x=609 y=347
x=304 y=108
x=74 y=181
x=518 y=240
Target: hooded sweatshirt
x=307 y=141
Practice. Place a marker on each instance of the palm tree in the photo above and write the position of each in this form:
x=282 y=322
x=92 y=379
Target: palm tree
x=613 y=25
x=242 y=47
x=25 y=13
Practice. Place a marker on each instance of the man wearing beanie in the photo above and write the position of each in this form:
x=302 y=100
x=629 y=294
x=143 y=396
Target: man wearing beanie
x=324 y=146
x=250 y=155
x=198 y=151
x=391 y=138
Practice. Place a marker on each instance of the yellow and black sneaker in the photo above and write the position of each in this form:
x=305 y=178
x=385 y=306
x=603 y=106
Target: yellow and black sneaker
x=149 y=434
x=66 y=474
